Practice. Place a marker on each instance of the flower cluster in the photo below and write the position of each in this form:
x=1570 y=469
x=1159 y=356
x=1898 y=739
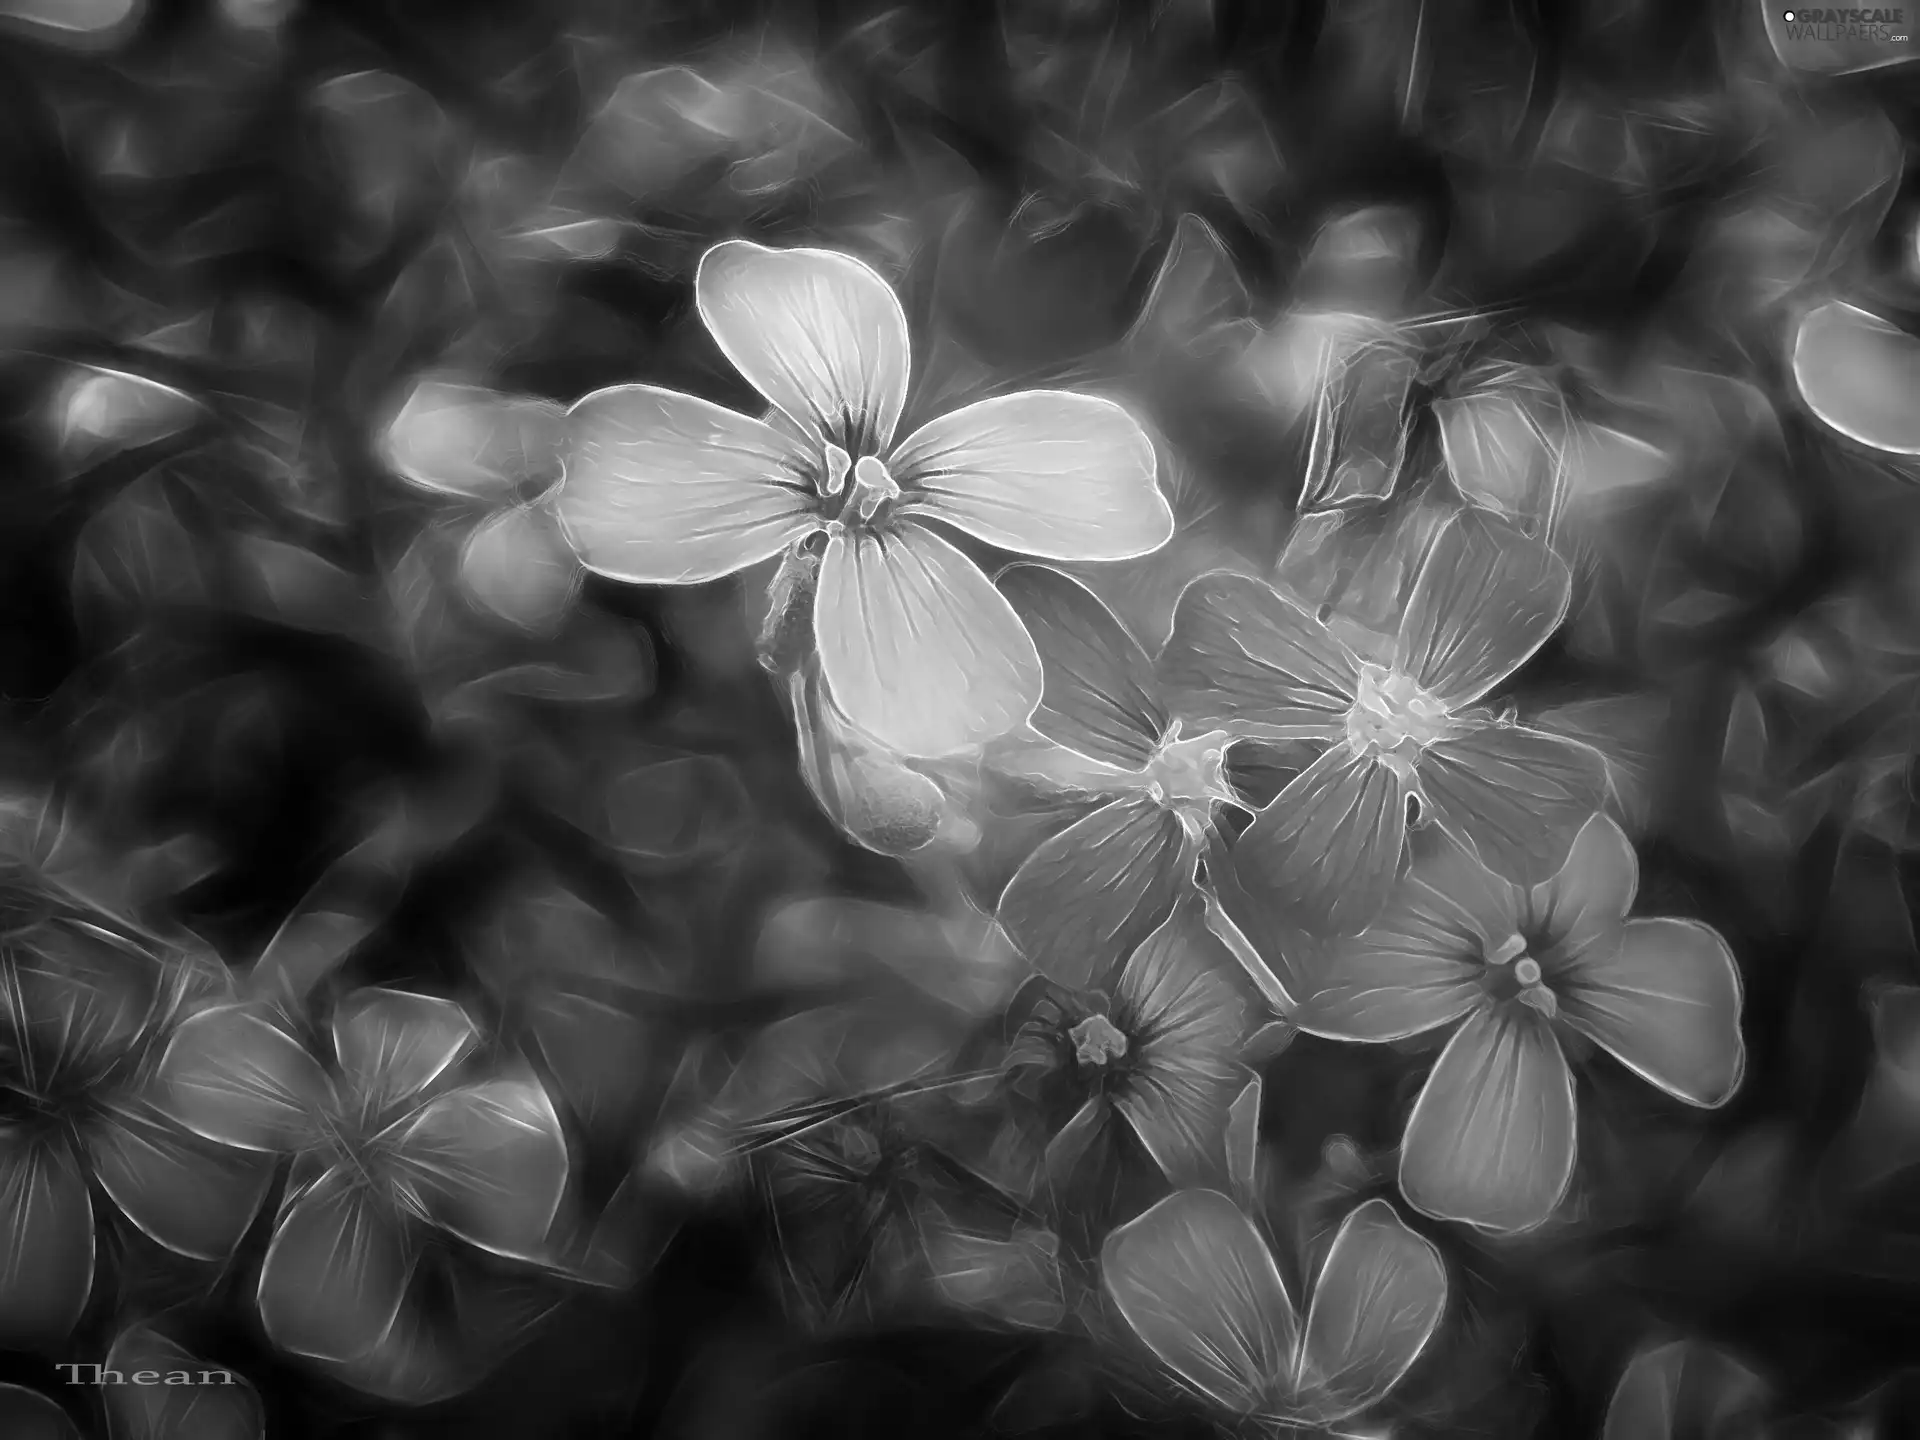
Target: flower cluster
x=1420 y=860
x=389 y=1142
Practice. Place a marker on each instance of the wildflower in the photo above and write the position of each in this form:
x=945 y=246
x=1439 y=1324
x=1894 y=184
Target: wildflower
x=391 y=1136
x=917 y=648
x=84 y=1003
x=1491 y=1138
x=1087 y=896
x=1162 y=1054
x=1329 y=846
x=1196 y=1282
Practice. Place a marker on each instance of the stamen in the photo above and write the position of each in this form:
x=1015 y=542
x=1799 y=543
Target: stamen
x=1190 y=772
x=1541 y=999
x=1510 y=948
x=872 y=486
x=834 y=478
x=1096 y=1041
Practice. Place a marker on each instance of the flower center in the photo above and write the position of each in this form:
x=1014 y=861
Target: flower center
x=1392 y=718
x=1513 y=974
x=1097 y=1041
x=872 y=486
x=1191 y=773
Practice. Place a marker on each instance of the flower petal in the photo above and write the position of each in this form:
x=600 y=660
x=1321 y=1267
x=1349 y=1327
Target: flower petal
x=1490 y=1141
x=1101 y=698
x=489 y=1164
x=1665 y=1001
x=1419 y=965
x=1685 y=1387
x=669 y=489
x=818 y=333
x=1328 y=847
x=1585 y=901
x=880 y=803
x=466 y=440
x=1518 y=796
x=77 y=996
x=336 y=1272
x=1242 y=654
x=187 y=1194
x=1088 y=896
x=517 y=566
x=46 y=1240
x=393 y=1044
x=1261 y=930
x=1043 y=472
x=1377 y=1302
x=1400 y=978
x=1857 y=373
x=230 y=1074
x=1488 y=596
x=1197 y=1283
x=917 y=647
x=214 y=1403
x=1188 y=1020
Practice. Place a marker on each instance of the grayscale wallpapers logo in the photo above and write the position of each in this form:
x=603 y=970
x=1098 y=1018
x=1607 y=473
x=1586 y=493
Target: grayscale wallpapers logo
x=1888 y=26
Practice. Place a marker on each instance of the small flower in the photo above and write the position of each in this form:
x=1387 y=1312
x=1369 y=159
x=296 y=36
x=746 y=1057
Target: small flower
x=1491 y=1138
x=1162 y=1054
x=1329 y=847
x=386 y=1139
x=82 y=1008
x=1194 y=1279
x=917 y=648
x=1086 y=897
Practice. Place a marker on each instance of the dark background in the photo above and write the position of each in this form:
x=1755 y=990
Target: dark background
x=1034 y=160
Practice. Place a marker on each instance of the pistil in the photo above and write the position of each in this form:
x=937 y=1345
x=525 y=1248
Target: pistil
x=1392 y=718
x=1190 y=772
x=1510 y=949
x=833 y=478
x=872 y=487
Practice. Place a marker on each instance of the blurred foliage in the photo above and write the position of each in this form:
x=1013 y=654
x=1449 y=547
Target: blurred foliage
x=299 y=673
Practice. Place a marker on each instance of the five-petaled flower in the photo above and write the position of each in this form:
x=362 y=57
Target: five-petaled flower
x=393 y=1135
x=1329 y=847
x=1085 y=897
x=1491 y=1138
x=917 y=647
x=1162 y=1053
x=1194 y=1279
x=84 y=1003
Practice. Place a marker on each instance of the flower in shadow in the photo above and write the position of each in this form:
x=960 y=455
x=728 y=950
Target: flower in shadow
x=391 y=1141
x=1160 y=1054
x=85 y=1002
x=1329 y=847
x=1087 y=896
x=1194 y=1279
x=1491 y=1139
